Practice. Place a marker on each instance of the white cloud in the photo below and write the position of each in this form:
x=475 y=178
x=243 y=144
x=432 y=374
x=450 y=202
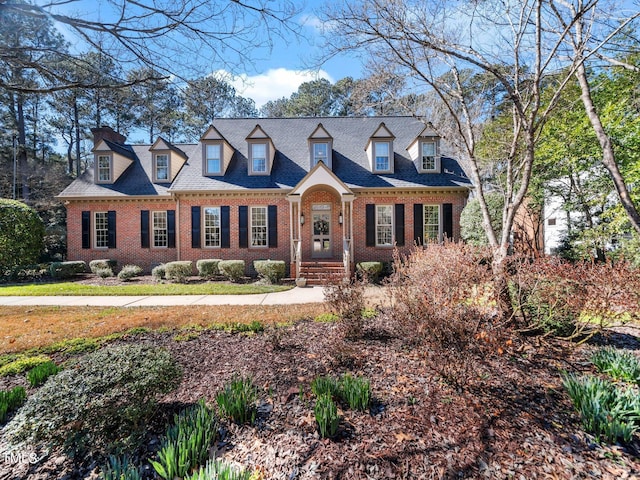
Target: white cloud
x=275 y=83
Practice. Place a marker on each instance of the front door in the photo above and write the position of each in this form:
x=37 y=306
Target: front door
x=321 y=235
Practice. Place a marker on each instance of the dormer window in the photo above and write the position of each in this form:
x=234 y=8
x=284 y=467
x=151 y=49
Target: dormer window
x=381 y=153
x=320 y=147
x=104 y=168
x=162 y=167
x=258 y=158
x=380 y=150
x=320 y=153
x=429 y=156
x=214 y=159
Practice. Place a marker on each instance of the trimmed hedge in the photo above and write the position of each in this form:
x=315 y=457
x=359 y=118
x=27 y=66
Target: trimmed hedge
x=21 y=235
x=158 y=272
x=62 y=270
x=271 y=270
x=208 y=267
x=178 y=271
x=95 y=265
x=232 y=269
x=370 y=270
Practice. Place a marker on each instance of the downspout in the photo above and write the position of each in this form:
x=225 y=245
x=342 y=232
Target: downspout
x=178 y=228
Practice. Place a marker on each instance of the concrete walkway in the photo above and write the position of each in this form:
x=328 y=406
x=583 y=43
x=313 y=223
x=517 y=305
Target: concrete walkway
x=289 y=297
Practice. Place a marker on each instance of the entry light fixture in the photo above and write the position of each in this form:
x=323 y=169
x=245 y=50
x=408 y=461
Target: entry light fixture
x=340 y=218
x=301 y=218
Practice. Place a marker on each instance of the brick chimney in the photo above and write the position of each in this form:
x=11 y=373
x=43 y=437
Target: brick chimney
x=107 y=133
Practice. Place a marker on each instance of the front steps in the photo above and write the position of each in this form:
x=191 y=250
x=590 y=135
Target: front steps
x=322 y=272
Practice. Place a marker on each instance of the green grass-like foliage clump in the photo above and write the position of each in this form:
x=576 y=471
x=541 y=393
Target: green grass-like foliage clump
x=120 y=468
x=104 y=272
x=129 y=271
x=219 y=470
x=355 y=391
x=39 y=374
x=326 y=414
x=187 y=442
x=22 y=364
x=158 y=272
x=327 y=318
x=237 y=401
x=10 y=400
x=609 y=412
x=255 y=326
x=617 y=364
x=325 y=386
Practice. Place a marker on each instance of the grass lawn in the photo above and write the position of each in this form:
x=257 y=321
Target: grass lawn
x=74 y=288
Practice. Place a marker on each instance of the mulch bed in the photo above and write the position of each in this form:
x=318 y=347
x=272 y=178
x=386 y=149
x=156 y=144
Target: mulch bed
x=511 y=419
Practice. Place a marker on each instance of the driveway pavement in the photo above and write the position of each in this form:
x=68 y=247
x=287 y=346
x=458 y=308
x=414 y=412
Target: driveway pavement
x=289 y=297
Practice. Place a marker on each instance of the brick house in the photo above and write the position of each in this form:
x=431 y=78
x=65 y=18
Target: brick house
x=329 y=192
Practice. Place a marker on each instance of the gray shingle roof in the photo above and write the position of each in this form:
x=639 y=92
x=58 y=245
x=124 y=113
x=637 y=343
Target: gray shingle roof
x=292 y=160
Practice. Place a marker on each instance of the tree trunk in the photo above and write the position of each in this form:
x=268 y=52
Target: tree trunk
x=608 y=155
x=22 y=148
x=76 y=122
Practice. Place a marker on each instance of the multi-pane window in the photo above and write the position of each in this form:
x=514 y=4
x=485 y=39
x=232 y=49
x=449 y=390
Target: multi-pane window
x=212 y=227
x=384 y=225
x=381 y=152
x=104 y=168
x=101 y=227
x=320 y=153
x=431 y=222
x=162 y=167
x=160 y=234
x=258 y=226
x=214 y=158
x=259 y=157
x=428 y=156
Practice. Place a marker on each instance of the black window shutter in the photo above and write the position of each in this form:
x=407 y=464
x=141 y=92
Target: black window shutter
x=418 y=223
x=447 y=220
x=273 y=225
x=86 y=229
x=399 y=224
x=111 y=229
x=371 y=224
x=225 y=227
x=243 y=226
x=195 y=227
x=144 y=228
x=171 y=229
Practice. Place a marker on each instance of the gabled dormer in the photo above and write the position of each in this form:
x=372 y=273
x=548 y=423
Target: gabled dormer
x=167 y=160
x=261 y=152
x=216 y=153
x=425 y=151
x=111 y=160
x=380 y=150
x=320 y=147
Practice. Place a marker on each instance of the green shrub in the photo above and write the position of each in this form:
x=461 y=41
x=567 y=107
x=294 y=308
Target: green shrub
x=255 y=326
x=271 y=270
x=232 y=269
x=187 y=442
x=105 y=272
x=609 y=412
x=120 y=468
x=178 y=271
x=95 y=265
x=325 y=386
x=158 y=272
x=62 y=270
x=219 y=470
x=617 y=364
x=129 y=271
x=370 y=270
x=21 y=235
x=355 y=391
x=10 y=400
x=237 y=401
x=326 y=414
x=208 y=267
x=99 y=399
x=39 y=374
x=22 y=364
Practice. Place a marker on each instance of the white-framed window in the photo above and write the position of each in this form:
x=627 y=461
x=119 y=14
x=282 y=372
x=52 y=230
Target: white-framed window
x=101 y=229
x=384 y=225
x=381 y=156
x=431 y=222
x=320 y=153
x=428 y=156
x=159 y=229
x=258 y=153
x=162 y=166
x=212 y=227
x=258 y=226
x=214 y=158
x=104 y=168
